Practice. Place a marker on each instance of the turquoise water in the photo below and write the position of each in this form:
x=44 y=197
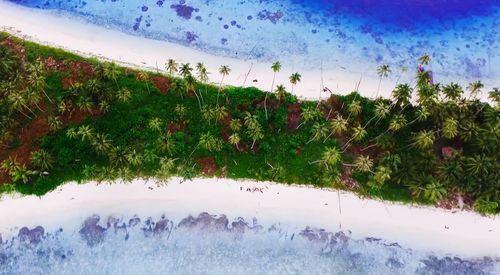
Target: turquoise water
x=208 y=244
x=356 y=35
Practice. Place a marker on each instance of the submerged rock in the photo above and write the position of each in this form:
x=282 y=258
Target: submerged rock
x=205 y=221
x=91 y=232
x=32 y=236
x=455 y=265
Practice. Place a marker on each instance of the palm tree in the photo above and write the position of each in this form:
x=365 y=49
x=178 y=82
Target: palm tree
x=201 y=70
x=235 y=125
x=224 y=71
x=54 y=123
x=166 y=144
x=477 y=164
x=165 y=169
x=424 y=139
x=276 y=67
x=331 y=156
x=180 y=110
x=380 y=176
x=134 y=158
x=84 y=103
x=280 y=91
x=85 y=132
x=8 y=62
x=475 y=88
x=494 y=95
x=402 y=94
x=255 y=133
x=185 y=70
x=319 y=131
x=16 y=170
x=190 y=86
x=397 y=122
x=202 y=75
x=309 y=114
x=209 y=142
x=155 y=124
x=434 y=191
x=220 y=113
x=32 y=98
x=172 y=66
x=101 y=143
x=18 y=103
x=104 y=106
x=235 y=139
x=72 y=133
x=124 y=95
x=425 y=59
x=383 y=71
x=111 y=71
x=10 y=165
x=338 y=126
x=355 y=108
x=294 y=79
x=118 y=156
x=21 y=174
x=41 y=159
x=37 y=77
x=452 y=92
x=450 y=128
x=382 y=110
x=145 y=77
x=359 y=133
x=363 y=164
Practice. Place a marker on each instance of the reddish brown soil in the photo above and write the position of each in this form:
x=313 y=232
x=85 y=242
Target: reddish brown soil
x=161 y=83
x=16 y=47
x=176 y=127
x=78 y=72
x=208 y=166
x=31 y=133
x=293 y=117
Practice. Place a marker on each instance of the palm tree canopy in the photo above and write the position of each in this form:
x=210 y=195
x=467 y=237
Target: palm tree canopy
x=276 y=66
x=331 y=156
x=295 y=78
x=425 y=59
x=424 y=139
x=224 y=70
x=185 y=69
x=172 y=66
x=402 y=94
x=384 y=70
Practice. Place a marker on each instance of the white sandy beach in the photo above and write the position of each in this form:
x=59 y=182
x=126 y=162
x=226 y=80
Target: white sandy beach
x=72 y=34
x=293 y=207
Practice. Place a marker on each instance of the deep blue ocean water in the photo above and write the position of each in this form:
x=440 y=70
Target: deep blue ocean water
x=462 y=36
x=207 y=244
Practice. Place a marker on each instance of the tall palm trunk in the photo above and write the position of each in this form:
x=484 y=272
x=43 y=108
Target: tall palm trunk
x=220 y=87
x=265 y=99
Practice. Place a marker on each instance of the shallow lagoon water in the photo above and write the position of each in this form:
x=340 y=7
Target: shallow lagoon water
x=207 y=244
x=355 y=36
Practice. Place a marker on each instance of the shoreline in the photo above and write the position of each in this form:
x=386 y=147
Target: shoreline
x=78 y=36
x=293 y=207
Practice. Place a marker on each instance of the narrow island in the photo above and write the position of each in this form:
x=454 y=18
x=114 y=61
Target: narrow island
x=65 y=117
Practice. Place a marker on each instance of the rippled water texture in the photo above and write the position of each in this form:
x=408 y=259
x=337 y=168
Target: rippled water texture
x=209 y=244
x=353 y=35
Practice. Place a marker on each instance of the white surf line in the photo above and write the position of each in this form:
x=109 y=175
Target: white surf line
x=293 y=207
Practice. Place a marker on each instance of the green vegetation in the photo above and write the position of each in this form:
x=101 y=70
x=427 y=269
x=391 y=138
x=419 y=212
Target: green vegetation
x=64 y=117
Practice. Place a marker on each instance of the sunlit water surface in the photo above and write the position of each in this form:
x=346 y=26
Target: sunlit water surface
x=208 y=244
x=352 y=35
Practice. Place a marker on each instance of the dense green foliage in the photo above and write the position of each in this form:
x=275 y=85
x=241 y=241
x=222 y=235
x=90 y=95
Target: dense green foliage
x=427 y=150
